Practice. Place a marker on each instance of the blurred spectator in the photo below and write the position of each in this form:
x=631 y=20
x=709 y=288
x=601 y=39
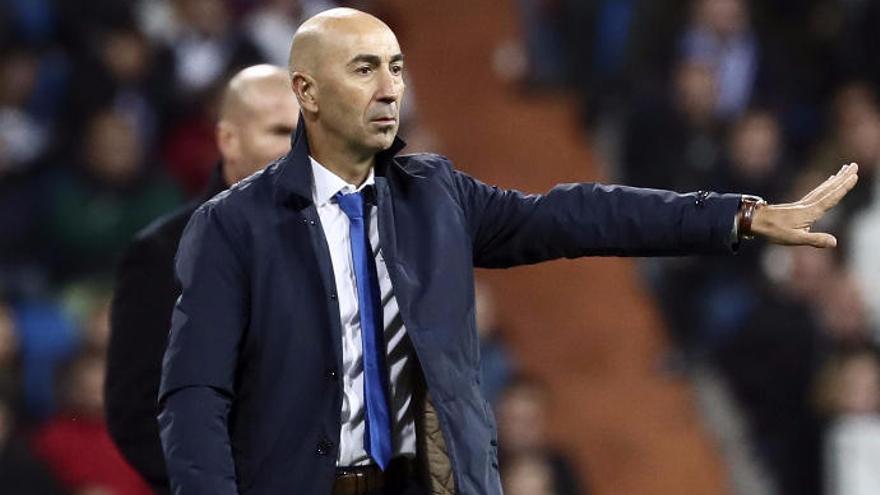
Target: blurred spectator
x=854 y=137
x=157 y=20
x=22 y=254
x=859 y=39
x=674 y=141
x=104 y=198
x=770 y=361
x=88 y=303
x=27 y=106
x=207 y=45
x=47 y=336
x=529 y=474
x=121 y=70
x=527 y=457
x=272 y=23
x=75 y=442
x=79 y=20
x=599 y=43
x=496 y=363
x=850 y=394
x=720 y=36
x=547 y=58
x=189 y=148
x=10 y=374
x=31 y=21
x=755 y=160
x=864 y=236
x=20 y=471
x=842 y=310
x=23 y=138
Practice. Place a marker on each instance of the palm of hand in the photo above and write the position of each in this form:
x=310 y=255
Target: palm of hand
x=790 y=223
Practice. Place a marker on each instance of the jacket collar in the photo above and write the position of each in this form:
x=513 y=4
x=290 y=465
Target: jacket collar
x=295 y=169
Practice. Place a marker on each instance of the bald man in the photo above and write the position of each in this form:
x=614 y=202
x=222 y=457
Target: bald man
x=325 y=343
x=257 y=116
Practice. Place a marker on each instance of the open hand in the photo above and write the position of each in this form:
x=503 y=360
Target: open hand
x=790 y=223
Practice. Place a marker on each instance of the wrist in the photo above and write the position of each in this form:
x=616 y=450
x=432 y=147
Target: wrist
x=748 y=217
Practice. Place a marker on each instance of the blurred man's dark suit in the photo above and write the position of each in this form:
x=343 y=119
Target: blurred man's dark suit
x=140 y=317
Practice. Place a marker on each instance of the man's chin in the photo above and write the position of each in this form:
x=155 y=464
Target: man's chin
x=383 y=141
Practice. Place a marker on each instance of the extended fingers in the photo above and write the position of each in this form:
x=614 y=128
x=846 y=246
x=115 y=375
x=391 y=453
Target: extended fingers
x=843 y=185
x=830 y=183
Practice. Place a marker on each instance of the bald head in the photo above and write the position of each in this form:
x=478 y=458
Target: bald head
x=317 y=34
x=246 y=88
x=257 y=115
x=346 y=68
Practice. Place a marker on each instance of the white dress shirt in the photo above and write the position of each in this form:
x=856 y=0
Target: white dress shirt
x=336 y=230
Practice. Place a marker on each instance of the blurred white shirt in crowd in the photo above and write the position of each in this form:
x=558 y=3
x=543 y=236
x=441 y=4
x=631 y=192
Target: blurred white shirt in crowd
x=853 y=456
x=864 y=234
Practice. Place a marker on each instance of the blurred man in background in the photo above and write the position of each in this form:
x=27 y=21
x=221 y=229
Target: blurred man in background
x=534 y=464
x=258 y=114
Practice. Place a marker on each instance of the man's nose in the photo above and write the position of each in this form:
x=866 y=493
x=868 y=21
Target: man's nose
x=390 y=87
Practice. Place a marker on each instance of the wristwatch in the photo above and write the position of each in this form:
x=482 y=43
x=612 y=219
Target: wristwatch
x=748 y=204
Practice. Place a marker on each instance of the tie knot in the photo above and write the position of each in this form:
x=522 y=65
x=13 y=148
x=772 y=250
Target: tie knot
x=352 y=204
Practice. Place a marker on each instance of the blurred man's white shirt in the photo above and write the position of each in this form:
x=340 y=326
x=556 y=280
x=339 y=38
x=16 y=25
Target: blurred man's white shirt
x=864 y=238
x=853 y=455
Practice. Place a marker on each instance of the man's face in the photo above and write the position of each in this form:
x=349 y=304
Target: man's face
x=266 y=135
x=263 y=134
x=360 y=85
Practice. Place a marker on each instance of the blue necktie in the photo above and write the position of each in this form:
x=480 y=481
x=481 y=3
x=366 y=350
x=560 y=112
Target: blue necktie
x=377 y=440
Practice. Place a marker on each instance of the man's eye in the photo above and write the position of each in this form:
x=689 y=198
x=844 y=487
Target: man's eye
x=396 y=69
x=364 y=70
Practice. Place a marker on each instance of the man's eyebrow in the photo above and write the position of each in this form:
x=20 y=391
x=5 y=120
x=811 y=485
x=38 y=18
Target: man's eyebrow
x=374 y=59
x=370 y=59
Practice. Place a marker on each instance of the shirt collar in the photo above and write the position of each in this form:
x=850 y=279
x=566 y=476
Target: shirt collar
x=327 y=184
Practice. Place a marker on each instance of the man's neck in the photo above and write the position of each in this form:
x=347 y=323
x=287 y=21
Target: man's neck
x=351 y=167
x=229 y=177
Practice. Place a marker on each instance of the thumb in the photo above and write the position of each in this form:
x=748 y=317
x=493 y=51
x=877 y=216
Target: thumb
x=816 y=239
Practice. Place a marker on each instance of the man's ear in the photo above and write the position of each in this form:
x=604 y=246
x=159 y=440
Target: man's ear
x=306 y=90
x=228 y=140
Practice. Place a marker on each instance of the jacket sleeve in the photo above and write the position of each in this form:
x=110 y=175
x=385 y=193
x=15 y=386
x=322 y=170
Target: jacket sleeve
x=139 y=320
x=510 y=228
x=197 y=386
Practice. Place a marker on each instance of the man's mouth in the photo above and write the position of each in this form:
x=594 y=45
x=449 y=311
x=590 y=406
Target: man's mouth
x=384 y=120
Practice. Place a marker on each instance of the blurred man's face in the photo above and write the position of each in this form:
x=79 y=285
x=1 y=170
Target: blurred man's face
x=359 y=87
x=126 y=54
x=209 y=17
x=859 y=388
x=725 y=17
x=264 y=134
x=85 y=395
x=755 y=145
x=8 y=339
x=521 y=420
x=113 y=148
x=696 y=90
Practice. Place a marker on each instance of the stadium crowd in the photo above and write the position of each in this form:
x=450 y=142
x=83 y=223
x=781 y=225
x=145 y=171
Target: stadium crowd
x=762 y=98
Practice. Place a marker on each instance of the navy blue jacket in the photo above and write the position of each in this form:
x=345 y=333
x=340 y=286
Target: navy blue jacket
x=250 y=400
